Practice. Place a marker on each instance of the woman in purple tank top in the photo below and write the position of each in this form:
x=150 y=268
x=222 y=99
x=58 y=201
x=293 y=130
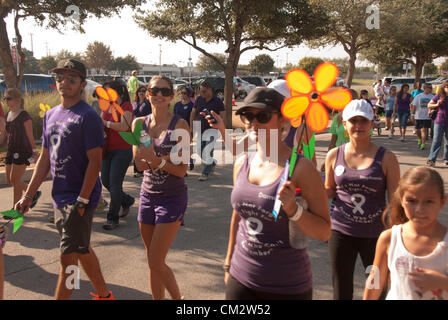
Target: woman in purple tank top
x=402 y=107
x=266 y=258
x=163 y=196
x=358 y=176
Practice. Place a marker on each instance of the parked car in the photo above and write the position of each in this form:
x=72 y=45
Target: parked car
x=257 y=81
x=243 y=88
x=144 y=79
x=33 y=83
x=217 y=83
x=177 y=83
x=90 y=87
x=398 y=82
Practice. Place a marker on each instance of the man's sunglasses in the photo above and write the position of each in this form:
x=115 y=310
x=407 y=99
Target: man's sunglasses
x=262 y=117
x=166 y=92
x=59 y=77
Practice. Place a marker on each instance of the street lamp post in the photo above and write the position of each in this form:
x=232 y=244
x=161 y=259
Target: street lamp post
x=17 y=55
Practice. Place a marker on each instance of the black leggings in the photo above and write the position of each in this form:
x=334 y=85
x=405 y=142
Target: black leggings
x=237 y=291
x=344 y=250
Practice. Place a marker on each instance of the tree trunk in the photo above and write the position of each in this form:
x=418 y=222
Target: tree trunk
x=228 y=90
x=351 y=69
x=420 y=62
x=9 y=70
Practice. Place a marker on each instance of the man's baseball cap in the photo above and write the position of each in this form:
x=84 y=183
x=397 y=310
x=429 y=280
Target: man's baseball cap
x=266 y=99
x=71 y=65
x=281 y=87
x=359 y=107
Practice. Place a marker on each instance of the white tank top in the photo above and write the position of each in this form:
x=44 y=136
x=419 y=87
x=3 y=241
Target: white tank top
x=400 y=262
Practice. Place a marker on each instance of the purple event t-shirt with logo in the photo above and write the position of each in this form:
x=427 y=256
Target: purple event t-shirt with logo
x=68 y=134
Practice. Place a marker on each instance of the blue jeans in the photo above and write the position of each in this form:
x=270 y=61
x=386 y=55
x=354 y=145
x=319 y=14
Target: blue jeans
x=209 y=161
x=403 y=117
x=440 y=131
x=113 y=170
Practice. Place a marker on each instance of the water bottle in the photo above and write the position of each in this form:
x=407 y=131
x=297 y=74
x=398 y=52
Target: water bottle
x=145 y=139
x=297 y=239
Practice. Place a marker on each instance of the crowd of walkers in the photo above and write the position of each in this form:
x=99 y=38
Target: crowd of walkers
x=362 y=207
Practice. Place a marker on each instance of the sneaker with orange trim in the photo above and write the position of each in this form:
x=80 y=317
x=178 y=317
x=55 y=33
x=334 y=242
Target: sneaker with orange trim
x=97 y=297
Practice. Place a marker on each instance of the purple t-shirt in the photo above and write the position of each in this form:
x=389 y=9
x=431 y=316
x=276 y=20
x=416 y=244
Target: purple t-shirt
x=214 y=104
x=442 y=114
x=183 y=110
x=404 y=104
x=360 y=197
x=263 y=258
x=68 y=134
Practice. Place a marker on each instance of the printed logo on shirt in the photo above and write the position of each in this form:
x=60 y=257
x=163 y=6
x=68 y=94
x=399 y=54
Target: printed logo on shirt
x=265 y=196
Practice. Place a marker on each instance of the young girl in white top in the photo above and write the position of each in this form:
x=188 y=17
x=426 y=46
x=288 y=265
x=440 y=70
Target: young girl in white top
x=414 y=252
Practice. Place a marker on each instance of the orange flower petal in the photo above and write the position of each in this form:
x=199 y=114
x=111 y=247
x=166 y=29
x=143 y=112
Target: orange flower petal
x=325 y=76
x=102 y=93
x=112 y=94
x=317 y=117
x=298 y=80
x=296 y=122
x=104 y=105
x=114 y=114
x=294 y=107
x=336 y=98
x=118 y=108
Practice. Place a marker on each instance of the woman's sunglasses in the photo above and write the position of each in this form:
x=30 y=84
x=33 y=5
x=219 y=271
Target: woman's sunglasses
x=166 y=92
x=142 y=91
x=262 y=117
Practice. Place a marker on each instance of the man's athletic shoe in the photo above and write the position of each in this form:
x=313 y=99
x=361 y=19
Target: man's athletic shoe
x=203 y=177
x=35 y=198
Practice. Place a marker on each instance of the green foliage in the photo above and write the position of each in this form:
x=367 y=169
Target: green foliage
x=205 y=63
x=309 y=64
x=122 y=65
x=31 y=64
x=262 y=63
x=47 y=63
x=98 y=56
x=430 y=69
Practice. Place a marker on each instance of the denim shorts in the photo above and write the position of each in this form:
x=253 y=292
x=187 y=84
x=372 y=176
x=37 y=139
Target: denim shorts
x=156 y=210
x=389 y=113
x=74 y=229
x=403 y=117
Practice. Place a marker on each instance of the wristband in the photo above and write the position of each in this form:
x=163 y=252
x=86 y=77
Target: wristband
x=162 y=164
x=108 y=124
x=298 y=213
x=226 y=267
x=85 y=201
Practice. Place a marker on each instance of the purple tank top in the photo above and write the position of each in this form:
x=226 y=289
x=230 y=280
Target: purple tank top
x=16 y=134
x=404 y=104
x=360 y=197
x=263 y=258
x=159 y=182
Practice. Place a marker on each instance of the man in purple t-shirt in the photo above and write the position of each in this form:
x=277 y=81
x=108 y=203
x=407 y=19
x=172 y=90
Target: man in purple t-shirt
x=72 y=141
x=207 y=102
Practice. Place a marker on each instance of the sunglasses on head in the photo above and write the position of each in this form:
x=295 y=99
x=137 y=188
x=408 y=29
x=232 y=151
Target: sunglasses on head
x=59 y=77
x=262 y=117
x=166 y=92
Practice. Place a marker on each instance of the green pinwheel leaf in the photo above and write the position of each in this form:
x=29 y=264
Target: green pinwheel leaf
x=133 y=138
x=17 y=216
x=308 y=150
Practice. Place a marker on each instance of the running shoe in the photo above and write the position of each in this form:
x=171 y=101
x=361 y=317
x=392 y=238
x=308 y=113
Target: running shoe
x=125 y=210
x=445 y=162
x=430 y=163
x=203 y=177
x=422 y=146
x=110 y=225
x=419 y=142
x=390 y=136
x=97 y=297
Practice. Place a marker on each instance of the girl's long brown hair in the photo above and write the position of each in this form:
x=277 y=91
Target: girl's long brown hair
x=394 y=213
x=441 y=91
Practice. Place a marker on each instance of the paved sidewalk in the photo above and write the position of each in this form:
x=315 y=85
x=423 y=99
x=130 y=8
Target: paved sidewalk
x=197 y=254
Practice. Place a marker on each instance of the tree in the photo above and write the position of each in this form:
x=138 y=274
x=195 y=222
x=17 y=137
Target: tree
x=242 y=24
x=309 y=64
x=51 y=14
x=444 y=66
x=412 y=31
x=66 y=54
x=342 y=64
x=205 y=63
x=430 y=69
x=262 y=63
x=31 y=64
x=98 y=56
x=127 y=63
x=47 y=63
x=348 y=28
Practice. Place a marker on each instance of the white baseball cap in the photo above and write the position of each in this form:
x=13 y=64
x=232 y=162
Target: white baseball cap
x=358 y=107
x=281 y=87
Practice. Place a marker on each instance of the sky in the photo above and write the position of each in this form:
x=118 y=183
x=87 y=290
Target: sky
x=124 y=37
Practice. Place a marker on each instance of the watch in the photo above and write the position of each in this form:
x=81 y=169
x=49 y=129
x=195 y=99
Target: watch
x=80 y=205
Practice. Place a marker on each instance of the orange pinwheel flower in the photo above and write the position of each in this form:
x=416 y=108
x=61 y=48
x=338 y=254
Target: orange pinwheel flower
x=308 y=98
x=108 y=100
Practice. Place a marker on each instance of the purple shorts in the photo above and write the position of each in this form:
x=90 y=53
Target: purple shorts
x=155 y=210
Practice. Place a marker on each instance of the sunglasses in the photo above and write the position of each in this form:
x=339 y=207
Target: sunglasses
x=262 y=117
x=59 y=77
x=142 y=91
x=166 y=92
x=184 y=92
x=8 y=98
